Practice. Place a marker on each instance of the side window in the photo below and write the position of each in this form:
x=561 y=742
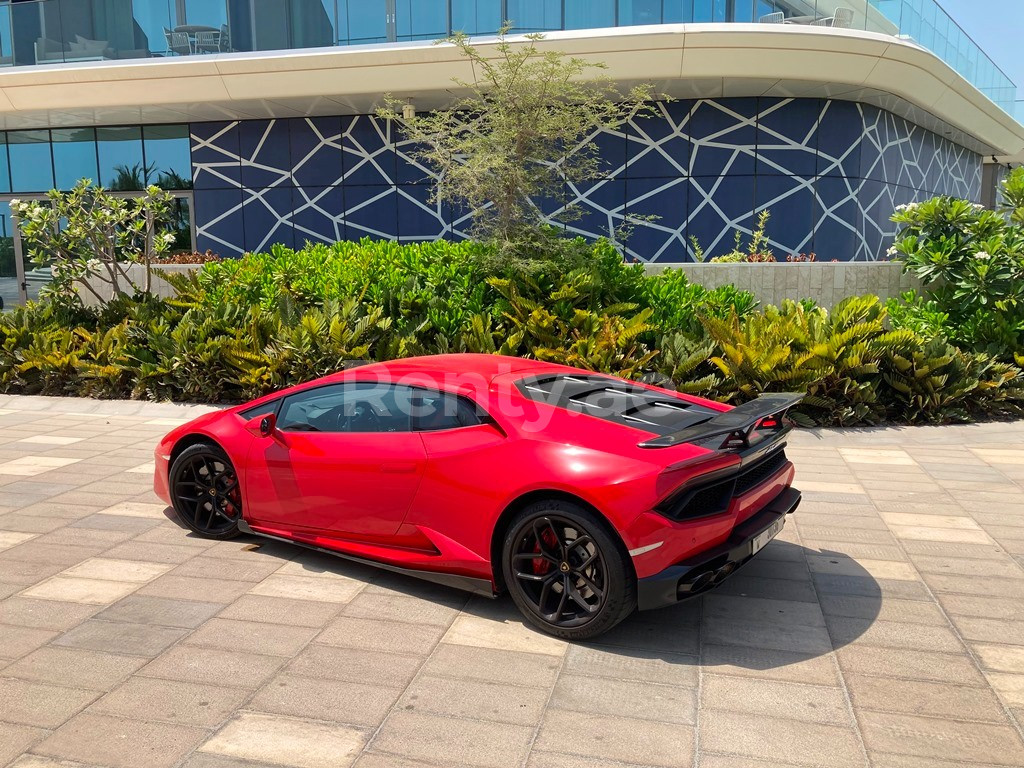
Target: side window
x=435 y=411
x=349 y=407
x=260 y=410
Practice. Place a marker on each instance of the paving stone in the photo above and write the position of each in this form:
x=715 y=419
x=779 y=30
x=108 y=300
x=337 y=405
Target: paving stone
x=286 y=741
x=280 y=610
x=133 y=571
x=990 y=630
x=812 y=703
x=802 y=639
x=454 y=741
x=75 y=590
x=319 y=699
x=1000 y=658
x=943 y=739
x=730 y=607
x=15 y=739
x=887 y=694
x=17 y=641
x=505 y=635
x=476 y=699
x=628 y=698
x=1002 y=568
x=74 y=667
x=43 y=614
x=354 y=665
x=141 y=609
x=392 y=607
x=1009 y=687
x=375 y=635
x=187 y=588
x=464 y=661
x=118 y=637
x=64 y=555
x=1004 y=608
x=769 y=589
x=770 y=664
x=616 y=738
x=121 y=743
x=893 y=634
x=26 y=573
x=976 y=585
x=44 y=706
x=172 y=701
x=252 y=637
x=632 y=664
x=157 y=553
x=802 y=743
x=253 y=569
x=214 y=666
x=868 y=609
x=207 y=760
x=308 y=588
x=910 y=665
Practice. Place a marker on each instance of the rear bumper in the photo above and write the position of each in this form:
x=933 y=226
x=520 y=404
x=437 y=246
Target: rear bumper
x=700 y=573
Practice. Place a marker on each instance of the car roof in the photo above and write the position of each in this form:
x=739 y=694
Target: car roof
x=487 y=367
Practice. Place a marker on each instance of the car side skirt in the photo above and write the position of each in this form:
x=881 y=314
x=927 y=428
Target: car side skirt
x=482 y=587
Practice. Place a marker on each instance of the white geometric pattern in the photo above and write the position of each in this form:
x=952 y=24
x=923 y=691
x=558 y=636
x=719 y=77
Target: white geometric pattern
x=831 y=172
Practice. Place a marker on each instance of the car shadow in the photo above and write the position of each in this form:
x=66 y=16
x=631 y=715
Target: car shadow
x=791 y=605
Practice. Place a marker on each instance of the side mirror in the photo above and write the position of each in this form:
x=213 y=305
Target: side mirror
x=262 y=426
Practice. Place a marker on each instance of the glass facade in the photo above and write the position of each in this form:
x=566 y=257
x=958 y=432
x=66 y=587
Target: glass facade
x=122 y=159
x=59 y=31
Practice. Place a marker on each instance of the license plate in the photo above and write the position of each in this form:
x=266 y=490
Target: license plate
x=767 y=535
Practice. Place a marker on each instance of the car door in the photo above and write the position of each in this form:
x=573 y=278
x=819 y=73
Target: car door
x=342 y=459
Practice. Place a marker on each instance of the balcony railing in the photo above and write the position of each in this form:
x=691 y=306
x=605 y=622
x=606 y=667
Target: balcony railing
x=57 y=31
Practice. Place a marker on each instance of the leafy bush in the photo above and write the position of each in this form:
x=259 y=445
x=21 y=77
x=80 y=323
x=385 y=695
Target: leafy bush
x=971 y=261
x=239 y=329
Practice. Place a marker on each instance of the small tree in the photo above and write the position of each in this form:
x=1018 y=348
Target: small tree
x=1012 y=196
x=88 y=235
x=521 y=134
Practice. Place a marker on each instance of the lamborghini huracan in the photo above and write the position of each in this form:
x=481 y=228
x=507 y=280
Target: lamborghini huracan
x=582 y=496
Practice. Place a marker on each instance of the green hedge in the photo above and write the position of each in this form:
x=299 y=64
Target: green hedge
x=241 y=328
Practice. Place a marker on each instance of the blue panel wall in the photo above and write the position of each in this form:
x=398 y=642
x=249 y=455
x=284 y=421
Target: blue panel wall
x=830 y=172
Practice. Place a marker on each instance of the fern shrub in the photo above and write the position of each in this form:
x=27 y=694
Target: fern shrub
x=241 y=328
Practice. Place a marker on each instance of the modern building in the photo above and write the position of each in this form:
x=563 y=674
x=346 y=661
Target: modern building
x=259 y=113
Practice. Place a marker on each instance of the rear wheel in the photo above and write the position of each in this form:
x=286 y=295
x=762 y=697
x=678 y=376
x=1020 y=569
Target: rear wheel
x=566 y=572
x=205 y=491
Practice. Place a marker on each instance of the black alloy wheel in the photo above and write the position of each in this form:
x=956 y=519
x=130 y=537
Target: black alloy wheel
x=205 y=491
x=565 y=572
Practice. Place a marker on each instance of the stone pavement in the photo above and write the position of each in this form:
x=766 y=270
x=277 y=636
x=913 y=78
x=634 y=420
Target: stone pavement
x=884 y=628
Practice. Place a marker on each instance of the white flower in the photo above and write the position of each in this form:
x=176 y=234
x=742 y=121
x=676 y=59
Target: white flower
x=892 y=251
x=15 y=203
x=979 y=207
x=983 y=256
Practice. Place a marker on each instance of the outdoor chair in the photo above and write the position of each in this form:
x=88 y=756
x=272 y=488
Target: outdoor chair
x=209 y=42
x=843 y=18
x=178 y=42
x=773 y=18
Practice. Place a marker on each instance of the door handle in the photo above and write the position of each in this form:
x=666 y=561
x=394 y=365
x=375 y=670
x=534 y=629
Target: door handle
x=400 y=468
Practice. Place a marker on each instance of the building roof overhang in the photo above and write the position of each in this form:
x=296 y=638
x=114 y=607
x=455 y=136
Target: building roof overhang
x=682 y=60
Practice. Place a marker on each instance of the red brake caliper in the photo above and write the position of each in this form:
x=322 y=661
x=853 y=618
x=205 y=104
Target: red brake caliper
x=541 y=565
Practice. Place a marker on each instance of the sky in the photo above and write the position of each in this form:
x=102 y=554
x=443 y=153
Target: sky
x=996 y=26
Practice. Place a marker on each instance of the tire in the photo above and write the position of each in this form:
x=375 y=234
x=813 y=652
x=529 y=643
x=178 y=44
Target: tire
x=205 y=491
x=568 y=574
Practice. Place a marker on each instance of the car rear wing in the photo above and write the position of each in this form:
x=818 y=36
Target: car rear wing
x=735 y=426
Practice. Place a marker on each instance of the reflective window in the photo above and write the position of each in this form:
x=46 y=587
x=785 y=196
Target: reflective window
x=433 y=412
x=121 y=163
x=5 y=170
x=312 y=23
x=205 y=13
x=476 y=17
x=153 y=18
x=180 y=224
x=7 y=269
x=640 y=12
x=709 y=10
x=168 y=156
x=6 y=46
x=421 y=19
x=31 y=164
x=535 y=15
x=362 y=407
x=581 y=14
x=366 y=20
x=74 y=156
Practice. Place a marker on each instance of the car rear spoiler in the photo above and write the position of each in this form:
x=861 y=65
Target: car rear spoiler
x=736 y=425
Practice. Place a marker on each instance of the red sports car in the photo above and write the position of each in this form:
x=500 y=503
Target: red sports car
x=584 y=496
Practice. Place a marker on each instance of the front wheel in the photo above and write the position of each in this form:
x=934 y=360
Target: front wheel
x=205 y=491
x=566 y=572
